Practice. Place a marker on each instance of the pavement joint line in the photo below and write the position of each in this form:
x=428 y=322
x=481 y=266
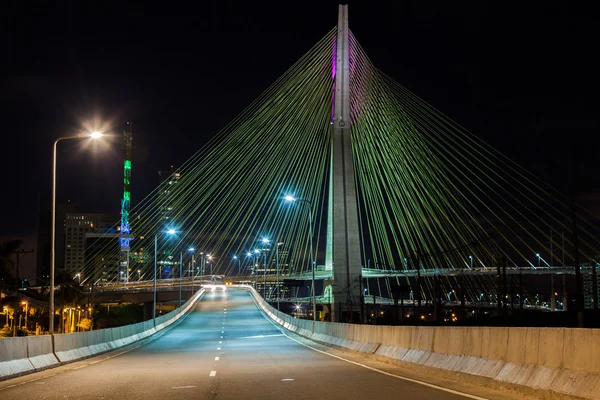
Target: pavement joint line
x=456 y=392
x=212 y=373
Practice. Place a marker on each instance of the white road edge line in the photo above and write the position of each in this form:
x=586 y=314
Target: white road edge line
x=431 y=385
x=212 y=373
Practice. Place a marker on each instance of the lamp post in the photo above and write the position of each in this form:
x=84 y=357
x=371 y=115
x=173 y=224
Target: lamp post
x=238 y=260
x=255 y=260
x=277 y=271
x=93 y=135
x=193 y=261
x=249 y=254
x=170 y=232
x=293 y=199
x=265 y=241
x=209 y=258
x=471 y=262
x=180 y=274
x=539 y=259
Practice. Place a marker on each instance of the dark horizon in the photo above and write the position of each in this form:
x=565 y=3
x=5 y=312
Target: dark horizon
x=522 y=79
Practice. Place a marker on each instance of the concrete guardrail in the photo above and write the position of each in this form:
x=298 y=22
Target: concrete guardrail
x=21 y=355
x=552 y=363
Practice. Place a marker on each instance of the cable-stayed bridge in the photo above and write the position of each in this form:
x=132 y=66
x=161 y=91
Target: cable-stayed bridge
x=385 y=187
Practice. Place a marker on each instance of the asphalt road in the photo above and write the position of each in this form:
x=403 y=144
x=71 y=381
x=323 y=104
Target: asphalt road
x=225 y=349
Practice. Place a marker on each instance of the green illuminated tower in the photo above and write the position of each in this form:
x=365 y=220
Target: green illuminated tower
x=125 y=234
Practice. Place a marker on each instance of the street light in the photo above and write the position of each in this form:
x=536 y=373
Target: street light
x=265 y=241
x=193 y=261
x=209 y=257
x=170 y=232
x=93 y=135
x=180 y=274
x=471 y=261
x=238 y=260
x=539 y=259
x=312 y=261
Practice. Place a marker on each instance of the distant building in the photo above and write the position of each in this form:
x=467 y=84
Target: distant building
x=23 y=262
x=168 y=180
x=77 y=226
x=43 y=238
x=101 y=257
x=588 y=298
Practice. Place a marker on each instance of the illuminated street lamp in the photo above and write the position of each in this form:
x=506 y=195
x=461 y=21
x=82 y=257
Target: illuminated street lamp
x=312 y=260
x=539 y=259
x=266 y=242
x=238 y=260
x=93 y=135
x=170 y=232
x=193 y=261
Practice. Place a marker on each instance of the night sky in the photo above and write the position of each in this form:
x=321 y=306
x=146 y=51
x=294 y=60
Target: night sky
x=522 y=76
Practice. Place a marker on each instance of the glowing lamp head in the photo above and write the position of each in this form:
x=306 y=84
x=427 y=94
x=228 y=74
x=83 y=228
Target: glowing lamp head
x=235 y=257
x=289 y=198
x=171 y=231
x=96 y=135
x=265 y=240
x=191 y=249
x=248 y=254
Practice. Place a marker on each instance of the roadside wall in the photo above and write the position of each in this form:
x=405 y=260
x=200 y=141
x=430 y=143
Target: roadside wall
x=547 y=362
x=21 y=355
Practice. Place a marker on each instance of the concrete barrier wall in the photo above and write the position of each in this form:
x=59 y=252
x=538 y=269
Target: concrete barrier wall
x=548 y=362
x=21 y=355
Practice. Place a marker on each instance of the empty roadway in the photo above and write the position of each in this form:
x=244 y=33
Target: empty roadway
x=226 y=349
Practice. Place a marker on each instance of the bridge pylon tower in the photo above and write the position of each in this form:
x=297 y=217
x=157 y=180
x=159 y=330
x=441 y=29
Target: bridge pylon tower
x=343 y=236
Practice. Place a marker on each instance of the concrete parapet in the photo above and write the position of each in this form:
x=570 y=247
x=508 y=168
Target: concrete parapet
x=548 y=362
x=32 y=353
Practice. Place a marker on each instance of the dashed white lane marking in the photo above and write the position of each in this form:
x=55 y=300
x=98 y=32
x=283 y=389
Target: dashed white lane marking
x=212 y=373
x=216 y=358
x=183 y=387
x=260 y=336
x=220 y=342
x=218 y=348
x=287 y=379
x=469 y=396
x=221 y=337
